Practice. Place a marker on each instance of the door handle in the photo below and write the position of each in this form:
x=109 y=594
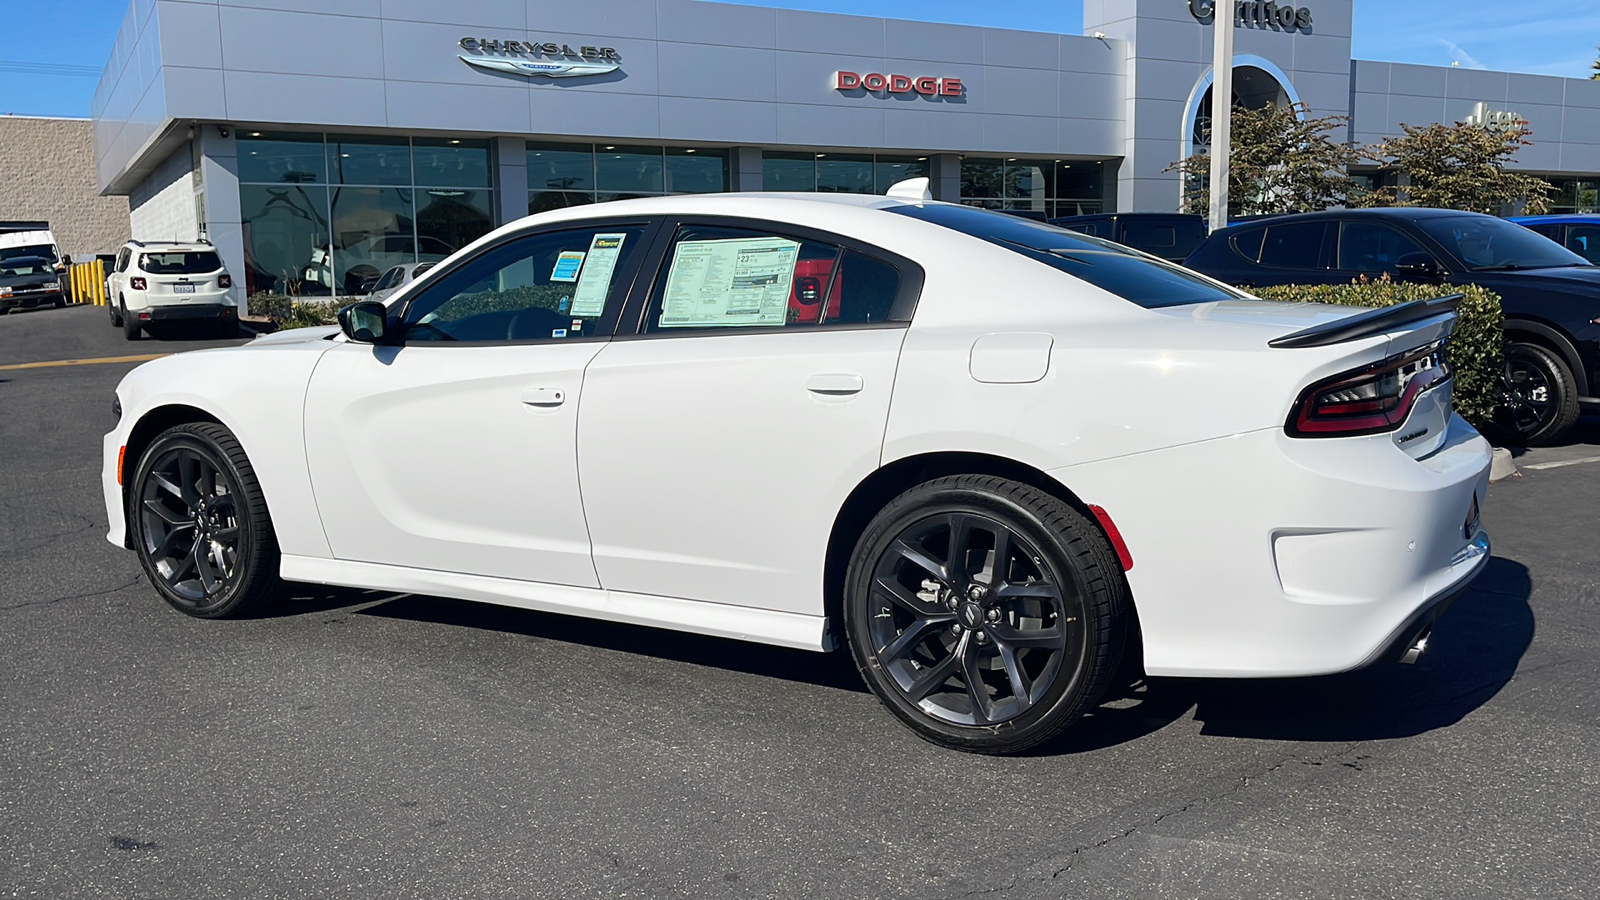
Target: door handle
x=834 y=385
x=544 y=397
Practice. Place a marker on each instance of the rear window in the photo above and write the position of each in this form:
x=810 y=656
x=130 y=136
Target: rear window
x=1131 y=275
x=180 y=262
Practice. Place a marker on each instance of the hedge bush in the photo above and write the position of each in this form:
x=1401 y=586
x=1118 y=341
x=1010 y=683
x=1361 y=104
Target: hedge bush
x=1474 y=349
x=292 y=312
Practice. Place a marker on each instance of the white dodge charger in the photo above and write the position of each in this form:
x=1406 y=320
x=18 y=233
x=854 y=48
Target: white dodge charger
x=991 y=457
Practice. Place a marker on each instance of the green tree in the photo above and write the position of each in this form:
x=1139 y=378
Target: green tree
x=1596 y=67
x=1281 y=160
x=1460 y=166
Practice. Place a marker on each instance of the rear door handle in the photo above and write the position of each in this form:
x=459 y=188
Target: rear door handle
x=834 y=385
x=544 y=397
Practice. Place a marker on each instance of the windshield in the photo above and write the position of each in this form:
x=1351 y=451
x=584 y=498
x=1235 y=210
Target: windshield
x=1131 y=275
x=1484 y=243
x=41 y=251
x=25 y=265
x=186 y=262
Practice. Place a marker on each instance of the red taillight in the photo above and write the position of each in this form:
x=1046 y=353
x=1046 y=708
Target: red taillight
x=224 y=280
x=1369 y=400
x=136 y=283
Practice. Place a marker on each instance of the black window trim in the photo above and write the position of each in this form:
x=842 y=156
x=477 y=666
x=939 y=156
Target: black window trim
x=625 y=281
x=633 y=326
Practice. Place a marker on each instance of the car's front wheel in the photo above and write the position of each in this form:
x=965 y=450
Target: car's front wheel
x=1538 y=396
x=199 y=523
x=986 y=614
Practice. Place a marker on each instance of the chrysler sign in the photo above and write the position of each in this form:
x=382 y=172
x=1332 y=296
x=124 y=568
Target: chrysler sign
x=549 y=59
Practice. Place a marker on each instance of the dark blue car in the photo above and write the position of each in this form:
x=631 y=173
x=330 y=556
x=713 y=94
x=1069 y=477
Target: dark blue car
x=1551 y=296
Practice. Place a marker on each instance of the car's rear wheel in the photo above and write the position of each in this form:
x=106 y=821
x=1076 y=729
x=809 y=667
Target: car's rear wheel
x=130 y=325
x=116 y=313
x=1539 y=399
x=199 y=523
x=984 y=613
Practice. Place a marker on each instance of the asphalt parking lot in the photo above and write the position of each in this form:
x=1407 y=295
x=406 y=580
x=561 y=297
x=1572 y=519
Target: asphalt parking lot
x=362 y=745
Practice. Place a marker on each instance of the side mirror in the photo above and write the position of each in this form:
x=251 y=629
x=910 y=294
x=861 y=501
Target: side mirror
x=364 y=322
x=1418 y=265
x=66 y=260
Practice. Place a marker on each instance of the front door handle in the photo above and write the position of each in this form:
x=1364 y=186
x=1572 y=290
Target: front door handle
x=544 y=397
x=834 y=385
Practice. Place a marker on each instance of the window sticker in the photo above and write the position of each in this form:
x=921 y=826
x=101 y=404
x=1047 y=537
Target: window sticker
x=595 y=284
x=567 y=266
x=558 y=332
x=730 y=282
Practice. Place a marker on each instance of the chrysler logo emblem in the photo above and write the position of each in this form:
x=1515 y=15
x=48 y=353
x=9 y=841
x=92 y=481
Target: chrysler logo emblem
x=552 y=68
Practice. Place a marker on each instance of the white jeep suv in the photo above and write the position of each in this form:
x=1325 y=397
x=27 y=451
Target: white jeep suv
x=165 y=281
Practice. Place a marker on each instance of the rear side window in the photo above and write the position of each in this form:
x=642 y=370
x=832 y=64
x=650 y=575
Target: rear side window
x=1248 y=244
x=719 y=277
x=1584 y=240
x=1131 y=275
x=1297 y=245
x=182 y=262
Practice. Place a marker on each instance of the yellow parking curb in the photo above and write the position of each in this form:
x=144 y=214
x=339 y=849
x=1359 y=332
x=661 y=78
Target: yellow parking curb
x=146 y=357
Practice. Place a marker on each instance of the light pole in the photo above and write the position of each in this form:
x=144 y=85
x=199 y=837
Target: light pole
x=1221 y=108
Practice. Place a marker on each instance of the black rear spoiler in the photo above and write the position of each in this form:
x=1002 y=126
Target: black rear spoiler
x=1375 y=321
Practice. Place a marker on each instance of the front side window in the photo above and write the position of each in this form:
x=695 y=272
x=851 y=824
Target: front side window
x=1584 y=240
x=1370 y=247
x=543 y=287
x=1123 y=271
x=718 y=277
x=180 y=263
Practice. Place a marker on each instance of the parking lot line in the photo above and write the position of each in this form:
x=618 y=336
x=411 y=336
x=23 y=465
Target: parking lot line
x=145 y=357
x=1564 y=462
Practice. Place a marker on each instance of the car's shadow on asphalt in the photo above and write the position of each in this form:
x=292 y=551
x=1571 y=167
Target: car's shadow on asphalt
x=1473 y=653
x=833 y=670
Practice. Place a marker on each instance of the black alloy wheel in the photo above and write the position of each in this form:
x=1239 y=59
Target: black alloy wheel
x=984 y=613
x=1538 y=403
x=199 y=524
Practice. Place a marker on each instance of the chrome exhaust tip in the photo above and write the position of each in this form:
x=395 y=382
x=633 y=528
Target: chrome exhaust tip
x=1417 y=648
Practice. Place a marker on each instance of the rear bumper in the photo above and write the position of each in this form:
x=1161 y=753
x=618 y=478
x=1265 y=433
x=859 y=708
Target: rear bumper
x=187 y=311
x=1261 y=555
x=1410 y=638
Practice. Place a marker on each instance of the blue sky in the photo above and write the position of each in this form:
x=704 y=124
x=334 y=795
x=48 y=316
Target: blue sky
x=51 y=51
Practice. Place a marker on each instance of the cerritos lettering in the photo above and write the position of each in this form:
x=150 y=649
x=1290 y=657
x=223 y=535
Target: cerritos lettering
x=874 y=83
x=1256 y=13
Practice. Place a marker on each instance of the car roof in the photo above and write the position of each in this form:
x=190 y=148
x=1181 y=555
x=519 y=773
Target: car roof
x=1409 y=213
x=1557 y=219
x=174 y=246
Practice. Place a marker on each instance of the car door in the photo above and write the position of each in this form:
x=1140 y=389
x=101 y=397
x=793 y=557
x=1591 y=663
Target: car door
x=453 y=450
x=717 y=445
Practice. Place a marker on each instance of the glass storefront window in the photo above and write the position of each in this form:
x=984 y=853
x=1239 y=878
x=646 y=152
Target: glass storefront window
x=628 y=170
x=451 y=162
x=374 y=228
x=561 y=167
x=1080 y=178
x=285 y=238
x=449 y=219
x=696 y=170
x=1028 y=180
x=844 y=173
x=267 y=157
x=369 y=160
x=981 y=178
x=788 y=171
x=891 y=170
x=544 y=201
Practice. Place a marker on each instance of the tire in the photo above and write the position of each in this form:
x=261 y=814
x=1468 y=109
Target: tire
x=1539 y=397
x=116 y=314
x=1041 y=649
x=130 y=325
x=61 y=303
x=195 y=479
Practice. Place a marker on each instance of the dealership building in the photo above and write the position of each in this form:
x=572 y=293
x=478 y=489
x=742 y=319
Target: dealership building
x=316 y=148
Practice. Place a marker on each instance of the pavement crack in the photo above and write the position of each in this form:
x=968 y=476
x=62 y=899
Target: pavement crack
x=1239 y=785
x=121 y=587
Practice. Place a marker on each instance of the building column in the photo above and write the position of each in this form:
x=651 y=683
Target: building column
x=511 y=179
x=944 y=178
x=744 y=165
x=217 y=206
